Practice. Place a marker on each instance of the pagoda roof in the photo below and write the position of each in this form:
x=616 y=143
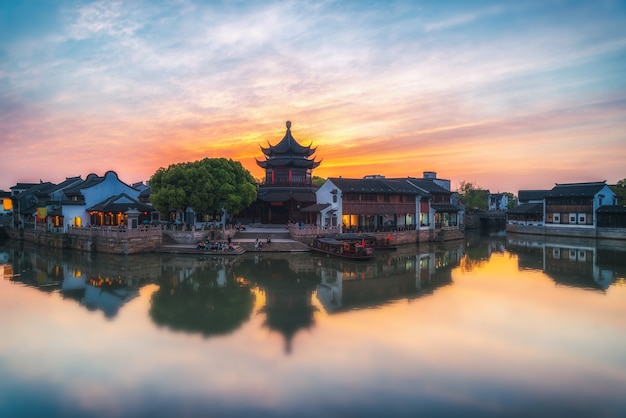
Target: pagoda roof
x=288 y=146
x=281 y=194
x=298 y=162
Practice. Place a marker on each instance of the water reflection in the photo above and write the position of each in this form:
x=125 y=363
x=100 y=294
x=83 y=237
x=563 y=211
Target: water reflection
x=585 y=264
x=98 y=283
x=474 y=328
x=216 y=295
x=200 y=297
x=409 y=273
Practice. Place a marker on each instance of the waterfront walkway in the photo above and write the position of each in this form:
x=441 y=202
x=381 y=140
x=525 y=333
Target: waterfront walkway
x=281 y=242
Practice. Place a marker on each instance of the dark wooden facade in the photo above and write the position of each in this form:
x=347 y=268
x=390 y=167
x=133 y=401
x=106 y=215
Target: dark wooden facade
x=287 y=187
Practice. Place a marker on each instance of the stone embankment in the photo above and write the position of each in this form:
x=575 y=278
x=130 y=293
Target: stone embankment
x=279 y=242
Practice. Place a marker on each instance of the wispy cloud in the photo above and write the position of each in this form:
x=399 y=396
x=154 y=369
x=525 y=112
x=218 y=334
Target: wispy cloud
x=385 y=87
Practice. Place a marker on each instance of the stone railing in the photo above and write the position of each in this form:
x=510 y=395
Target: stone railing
x=114 y=231
x=303 y=231
x=115 y=239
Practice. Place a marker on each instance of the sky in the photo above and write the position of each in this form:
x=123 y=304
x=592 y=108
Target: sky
x=506 y=95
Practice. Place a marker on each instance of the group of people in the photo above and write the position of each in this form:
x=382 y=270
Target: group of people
x=258 y=244
x=215 y=246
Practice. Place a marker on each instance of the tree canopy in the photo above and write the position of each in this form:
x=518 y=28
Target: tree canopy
x=206 y=186
x=198 y=304
x=473 y=196
x=318 y=181
x=620 y=191
x=512 y=200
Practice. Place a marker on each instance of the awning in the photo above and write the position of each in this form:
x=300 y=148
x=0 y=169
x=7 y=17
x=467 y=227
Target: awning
x=445 y=207
x=316 y=208
x=527 y=208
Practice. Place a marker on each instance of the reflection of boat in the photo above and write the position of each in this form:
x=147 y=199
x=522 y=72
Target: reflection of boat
x=345 y=249
x=367 y=240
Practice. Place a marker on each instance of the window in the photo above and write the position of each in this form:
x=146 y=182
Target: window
x=334 y=198
x=557 y=218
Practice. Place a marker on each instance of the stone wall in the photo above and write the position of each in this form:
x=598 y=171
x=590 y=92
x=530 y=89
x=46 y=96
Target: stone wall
x=92 y=239
x=398 y=237
x=604 y=233
x=611 y=233
x=472 y=221
x=193 y=237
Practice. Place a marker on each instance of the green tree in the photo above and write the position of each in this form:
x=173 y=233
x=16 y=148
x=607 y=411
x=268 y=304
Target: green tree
x=473 y=196
x=620 y=191
x=318 y=181
x=206 y=186
x=512 y=200
x=199 y=305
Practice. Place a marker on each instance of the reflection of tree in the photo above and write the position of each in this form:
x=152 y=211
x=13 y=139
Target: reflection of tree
x=197 y=304
x=477 y=252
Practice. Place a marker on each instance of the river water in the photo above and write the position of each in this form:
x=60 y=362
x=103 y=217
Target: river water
x=495 y=325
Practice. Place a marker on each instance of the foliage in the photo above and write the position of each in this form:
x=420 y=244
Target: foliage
x=318 y=181
x=473 y=196
x=200 y=305
x=620 y=191
x=206 y=186
x=512 y=200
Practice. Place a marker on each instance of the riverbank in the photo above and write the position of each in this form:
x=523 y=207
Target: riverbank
x=280 y=242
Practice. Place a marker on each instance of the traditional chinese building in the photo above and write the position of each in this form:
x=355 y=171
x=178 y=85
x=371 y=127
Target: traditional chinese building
x=287 y=187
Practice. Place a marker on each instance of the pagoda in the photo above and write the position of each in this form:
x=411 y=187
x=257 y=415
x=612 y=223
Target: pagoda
x=287 y=187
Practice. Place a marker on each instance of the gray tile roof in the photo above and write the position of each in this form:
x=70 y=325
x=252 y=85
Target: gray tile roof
x=576 y=189
x=526 y=195
x=377 y=185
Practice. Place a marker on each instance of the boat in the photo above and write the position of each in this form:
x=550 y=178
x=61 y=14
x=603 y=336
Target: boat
x=343 y=249
x=367 y=241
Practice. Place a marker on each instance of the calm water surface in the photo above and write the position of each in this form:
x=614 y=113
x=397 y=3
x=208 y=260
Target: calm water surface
x=491 y=326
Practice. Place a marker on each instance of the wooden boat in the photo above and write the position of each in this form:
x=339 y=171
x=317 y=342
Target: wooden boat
x=344 y=249
x=367 y=240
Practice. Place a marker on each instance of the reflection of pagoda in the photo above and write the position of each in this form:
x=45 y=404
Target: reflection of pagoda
x=288 y=185
x=288 y=307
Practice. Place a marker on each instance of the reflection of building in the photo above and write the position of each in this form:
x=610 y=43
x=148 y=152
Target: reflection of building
x=288 y=308
x=288 y=293
x=117 y=279
x=346 y=285
x=571 y=263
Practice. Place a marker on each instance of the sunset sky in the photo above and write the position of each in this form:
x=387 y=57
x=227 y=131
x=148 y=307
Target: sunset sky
x=508 y=95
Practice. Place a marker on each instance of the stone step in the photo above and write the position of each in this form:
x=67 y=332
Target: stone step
x=261 y=235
